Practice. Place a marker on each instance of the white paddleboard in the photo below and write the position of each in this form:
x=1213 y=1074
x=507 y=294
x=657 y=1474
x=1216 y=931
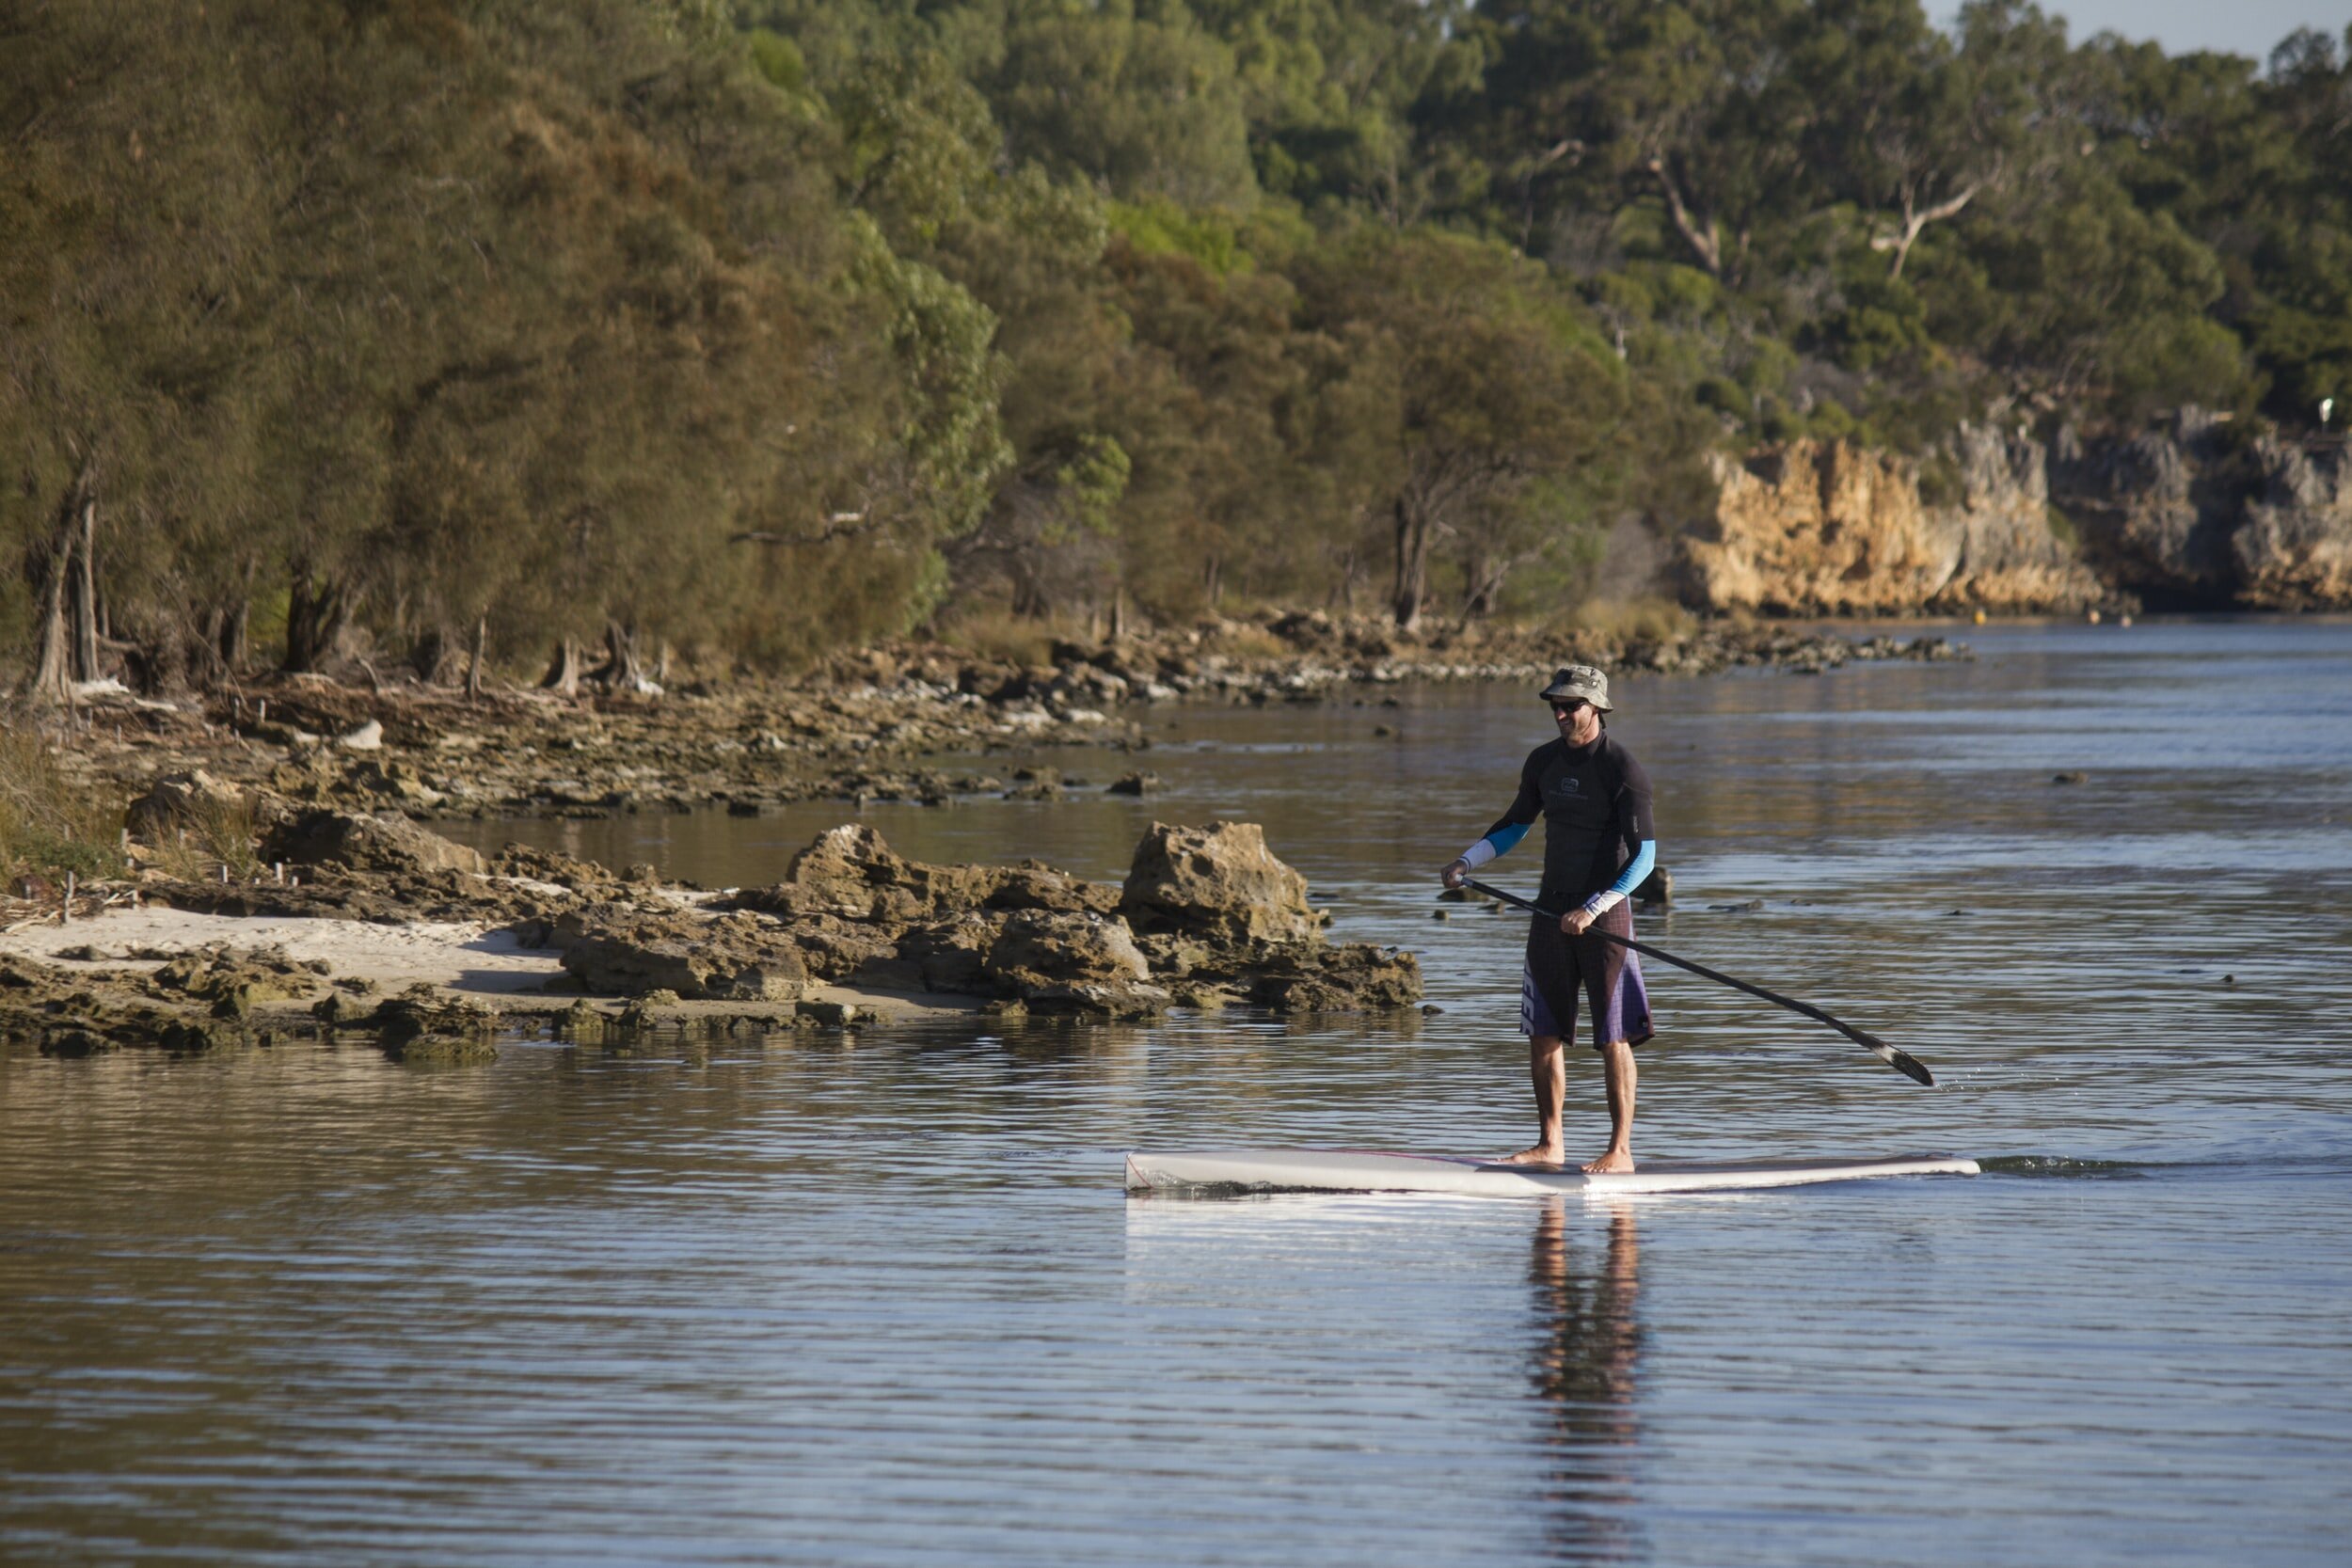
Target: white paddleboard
x=1346 y=1171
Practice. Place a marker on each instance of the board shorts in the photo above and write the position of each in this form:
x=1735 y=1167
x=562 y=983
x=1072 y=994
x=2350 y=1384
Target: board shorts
x=1559 y=966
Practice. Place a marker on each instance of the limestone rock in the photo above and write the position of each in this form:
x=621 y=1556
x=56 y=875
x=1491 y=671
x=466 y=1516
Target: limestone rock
x=1831 y=528
x=950 y=955
x=2294 y=550
x=1294 y=977
x=2202 y=515
x=619 y=950
x=1064 y=946
x=2154 y=520
x=1053 y=961
x=1219 y=884
x=179 y=800
x=1060 y=962
x=234 y=983
x=358 y=842
x=2007 y=556
x=849 y=872
x=1352 y=978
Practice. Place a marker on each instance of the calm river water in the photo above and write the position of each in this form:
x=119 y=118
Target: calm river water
x=880 y=1298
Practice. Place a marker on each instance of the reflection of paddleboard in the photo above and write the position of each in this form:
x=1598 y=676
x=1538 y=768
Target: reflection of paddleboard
x=1321 y=1170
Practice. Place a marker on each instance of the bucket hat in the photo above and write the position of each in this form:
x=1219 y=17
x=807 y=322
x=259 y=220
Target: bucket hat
x=1579 y=683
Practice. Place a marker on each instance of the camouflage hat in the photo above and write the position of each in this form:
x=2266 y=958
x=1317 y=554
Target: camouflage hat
x=1579 y=683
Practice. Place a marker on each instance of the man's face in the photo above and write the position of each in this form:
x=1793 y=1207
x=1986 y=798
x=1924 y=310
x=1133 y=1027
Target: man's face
x=1578 y=720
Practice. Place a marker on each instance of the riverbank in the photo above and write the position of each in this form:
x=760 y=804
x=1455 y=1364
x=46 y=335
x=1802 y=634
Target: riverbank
x=927 y=722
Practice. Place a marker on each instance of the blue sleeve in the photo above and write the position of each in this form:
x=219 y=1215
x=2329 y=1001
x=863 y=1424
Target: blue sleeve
x=1636 y=871
x=1506 y=837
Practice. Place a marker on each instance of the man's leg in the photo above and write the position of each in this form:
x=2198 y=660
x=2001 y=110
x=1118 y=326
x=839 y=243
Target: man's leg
x=1548 y=1067
x=1616 y=1065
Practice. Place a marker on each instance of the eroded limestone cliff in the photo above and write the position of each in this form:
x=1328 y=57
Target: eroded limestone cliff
x=2193 y=515
x=1833 y=529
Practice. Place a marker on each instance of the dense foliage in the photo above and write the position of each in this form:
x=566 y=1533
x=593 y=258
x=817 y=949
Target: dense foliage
x=414 y=328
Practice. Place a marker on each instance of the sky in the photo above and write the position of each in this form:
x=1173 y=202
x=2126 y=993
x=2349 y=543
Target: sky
x=2251 y=27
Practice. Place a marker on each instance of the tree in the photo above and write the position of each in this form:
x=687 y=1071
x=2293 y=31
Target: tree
x=1497 y=381
x=1145 y=106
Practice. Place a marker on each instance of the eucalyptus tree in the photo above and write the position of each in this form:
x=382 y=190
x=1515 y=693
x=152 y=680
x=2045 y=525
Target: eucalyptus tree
x=1496 y=384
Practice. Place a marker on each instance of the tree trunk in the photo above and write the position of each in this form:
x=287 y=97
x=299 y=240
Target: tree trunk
x=230 y=641
x=1700 y=233
x=1915 y=221
x=430 y=655
x=86 y=596
x=1486 y=579
x=51 y=568
x=563 y=676
x=620 y=670
x=1118 y=612
x=1212 y=580
x=473 y=665
x=317 y=609
x=1413 y=565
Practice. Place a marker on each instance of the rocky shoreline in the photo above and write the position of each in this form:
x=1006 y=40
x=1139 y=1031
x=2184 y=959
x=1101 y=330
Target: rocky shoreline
x=870 y=726
x=381 y=932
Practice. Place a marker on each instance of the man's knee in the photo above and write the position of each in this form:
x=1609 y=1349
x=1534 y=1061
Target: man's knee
x=1542 y=1046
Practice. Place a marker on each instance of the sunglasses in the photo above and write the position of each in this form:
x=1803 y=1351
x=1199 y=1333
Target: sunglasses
x=1568 y=710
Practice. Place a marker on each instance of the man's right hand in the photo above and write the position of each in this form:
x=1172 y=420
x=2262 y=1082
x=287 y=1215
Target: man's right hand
x=1452 y=876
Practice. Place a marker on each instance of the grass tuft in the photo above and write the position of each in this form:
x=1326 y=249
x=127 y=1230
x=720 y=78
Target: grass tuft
x=209 y=832
x=49 y=823
x=1000 y=635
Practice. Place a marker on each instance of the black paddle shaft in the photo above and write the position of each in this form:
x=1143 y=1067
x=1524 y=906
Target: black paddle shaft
x=1901 y=1061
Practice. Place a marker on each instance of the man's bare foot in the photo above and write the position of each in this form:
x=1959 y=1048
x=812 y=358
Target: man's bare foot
x=1617 y=1162
x=1542 y=1154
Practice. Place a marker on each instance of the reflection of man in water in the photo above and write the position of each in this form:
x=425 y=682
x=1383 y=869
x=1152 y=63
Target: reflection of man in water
x=1587 y=1360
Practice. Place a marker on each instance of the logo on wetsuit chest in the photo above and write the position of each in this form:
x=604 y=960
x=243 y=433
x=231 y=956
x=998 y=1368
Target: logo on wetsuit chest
x=1567 y=786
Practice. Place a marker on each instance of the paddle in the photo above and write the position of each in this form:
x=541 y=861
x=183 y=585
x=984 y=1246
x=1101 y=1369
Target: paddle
x=1901 y=1061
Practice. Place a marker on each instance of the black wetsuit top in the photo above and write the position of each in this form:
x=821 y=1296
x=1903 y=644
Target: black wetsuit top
x=1595 y=805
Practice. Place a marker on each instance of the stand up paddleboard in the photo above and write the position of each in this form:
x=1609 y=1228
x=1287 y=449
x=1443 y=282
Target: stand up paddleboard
x=1330 y=1171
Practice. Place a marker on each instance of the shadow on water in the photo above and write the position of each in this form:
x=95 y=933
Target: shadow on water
x=1587 y=1373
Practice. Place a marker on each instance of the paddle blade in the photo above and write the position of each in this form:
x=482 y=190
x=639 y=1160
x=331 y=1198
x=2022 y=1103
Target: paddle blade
x=1901 y=1061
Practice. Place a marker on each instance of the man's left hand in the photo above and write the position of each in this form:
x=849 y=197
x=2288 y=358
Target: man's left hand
x=1574 y=922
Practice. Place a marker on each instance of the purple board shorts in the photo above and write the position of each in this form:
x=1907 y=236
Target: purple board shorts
x=1559 y=966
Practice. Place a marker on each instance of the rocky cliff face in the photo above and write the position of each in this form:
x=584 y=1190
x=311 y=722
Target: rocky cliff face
x=2194 y=516
x=2294 y=551
x=1831 y=528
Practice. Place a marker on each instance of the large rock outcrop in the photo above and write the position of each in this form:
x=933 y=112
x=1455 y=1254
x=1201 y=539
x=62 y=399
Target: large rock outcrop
x=1207 y=915
x=617 y=950
x=2155 y=511
x=1833 y=529
x=849 y=872
x=1219 y=884
x=2294 y=550
x=2208 y=513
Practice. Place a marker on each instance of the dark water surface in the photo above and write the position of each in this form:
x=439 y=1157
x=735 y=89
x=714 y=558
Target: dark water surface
x=879 y=1299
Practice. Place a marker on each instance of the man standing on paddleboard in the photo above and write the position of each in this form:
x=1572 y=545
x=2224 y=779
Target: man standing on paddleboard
x=1598 y=846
